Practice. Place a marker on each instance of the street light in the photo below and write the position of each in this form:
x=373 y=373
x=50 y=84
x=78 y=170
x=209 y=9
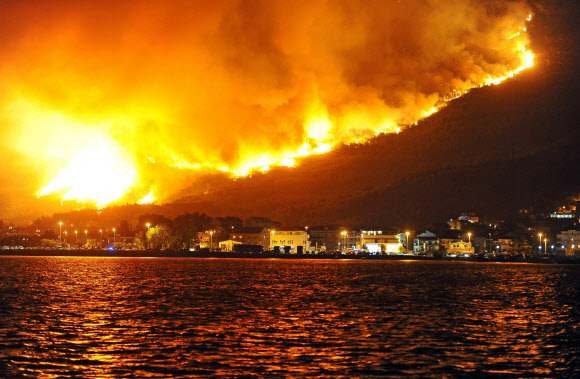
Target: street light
x=147 y=237
x=407 y=233
x=114 y=237
x=545 y=246
x=270 y=242
x=469 y=236
x=76 y=241
x=210 y=240
x=540 y=242
x=86 y=237
x=65 y=236
x=60 y=232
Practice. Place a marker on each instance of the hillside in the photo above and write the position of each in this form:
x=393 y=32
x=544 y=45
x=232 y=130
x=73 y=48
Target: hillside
x=493 y=151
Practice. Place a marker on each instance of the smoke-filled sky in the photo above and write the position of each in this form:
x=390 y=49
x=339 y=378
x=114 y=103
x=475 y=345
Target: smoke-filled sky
x=140 y=94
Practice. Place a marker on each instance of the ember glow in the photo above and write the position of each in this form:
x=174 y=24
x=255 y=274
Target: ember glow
x=126 y=101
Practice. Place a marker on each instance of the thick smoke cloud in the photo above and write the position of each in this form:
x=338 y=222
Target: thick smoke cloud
x=220 y=83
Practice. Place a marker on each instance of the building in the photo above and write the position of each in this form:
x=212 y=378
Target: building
x=249 y=235
x=374 y=241
x=325 y=237
x=349 y=240
x=454 y=225
x=228 y=245
x=456 y=248
x=426 y=242
x=479 y=243
x=569 y=242
x=503 y=245
x=289 y=241
x=469 y=217
x=210 y=238
x=564 y=212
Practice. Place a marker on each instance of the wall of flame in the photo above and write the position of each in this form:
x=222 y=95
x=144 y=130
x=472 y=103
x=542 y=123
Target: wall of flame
x=112 y=101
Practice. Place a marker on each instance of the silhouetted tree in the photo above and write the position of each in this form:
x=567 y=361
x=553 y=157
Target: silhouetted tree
x=48 y=243
x=125 y=229
x=50 y=234
x=159 y=237
x=25 y=241
x=153 y=220
x=185 y=228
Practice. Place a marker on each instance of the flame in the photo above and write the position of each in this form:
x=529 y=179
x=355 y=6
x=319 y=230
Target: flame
x=128 y=116
x=147 y=199
x=99 y=174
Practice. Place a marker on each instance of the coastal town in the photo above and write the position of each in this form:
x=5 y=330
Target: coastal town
x=556 y=233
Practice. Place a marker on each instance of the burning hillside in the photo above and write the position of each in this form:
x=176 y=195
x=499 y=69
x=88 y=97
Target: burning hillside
x=110 y=101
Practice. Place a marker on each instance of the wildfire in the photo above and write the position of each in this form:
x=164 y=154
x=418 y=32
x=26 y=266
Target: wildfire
x=98 y=175
x=117 y=110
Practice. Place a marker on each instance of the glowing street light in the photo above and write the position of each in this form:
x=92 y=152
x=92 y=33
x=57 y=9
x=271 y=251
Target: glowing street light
x=148 y=244
x=545 y=246
x=407 y=233
x=540 y=242
x=210 y=240
x=101 y=230
x=469 y=236
x=65 y=236
x=114 y=237
x=76 y=235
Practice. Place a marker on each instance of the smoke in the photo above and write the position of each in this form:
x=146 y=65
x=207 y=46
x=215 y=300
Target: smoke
x=175 y=86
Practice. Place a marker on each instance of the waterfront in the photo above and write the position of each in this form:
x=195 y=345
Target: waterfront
x=206 y=253
x=115 y=317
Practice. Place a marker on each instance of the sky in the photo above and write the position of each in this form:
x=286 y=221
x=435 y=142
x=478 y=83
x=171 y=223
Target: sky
x=121 y=102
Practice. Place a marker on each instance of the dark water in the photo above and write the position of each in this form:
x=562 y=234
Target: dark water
x=116 y=317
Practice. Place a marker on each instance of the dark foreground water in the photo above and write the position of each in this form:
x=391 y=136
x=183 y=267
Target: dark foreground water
x=116 y=317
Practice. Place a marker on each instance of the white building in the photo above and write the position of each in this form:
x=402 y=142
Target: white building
x=374 y=241
x=292 y=241
x=569 y=241
x=426 y=242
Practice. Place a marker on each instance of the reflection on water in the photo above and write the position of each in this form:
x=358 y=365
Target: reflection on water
x=115 y=317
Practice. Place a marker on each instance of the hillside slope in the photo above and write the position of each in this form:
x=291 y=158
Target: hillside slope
x=493 y=151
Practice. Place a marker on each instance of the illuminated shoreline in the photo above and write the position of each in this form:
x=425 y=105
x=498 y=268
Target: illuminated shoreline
x=273 y=255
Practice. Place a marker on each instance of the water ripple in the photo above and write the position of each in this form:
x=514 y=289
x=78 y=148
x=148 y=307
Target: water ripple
x=129 y=317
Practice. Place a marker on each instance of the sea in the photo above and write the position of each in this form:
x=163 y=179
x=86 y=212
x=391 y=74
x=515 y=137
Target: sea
x=95 y=317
